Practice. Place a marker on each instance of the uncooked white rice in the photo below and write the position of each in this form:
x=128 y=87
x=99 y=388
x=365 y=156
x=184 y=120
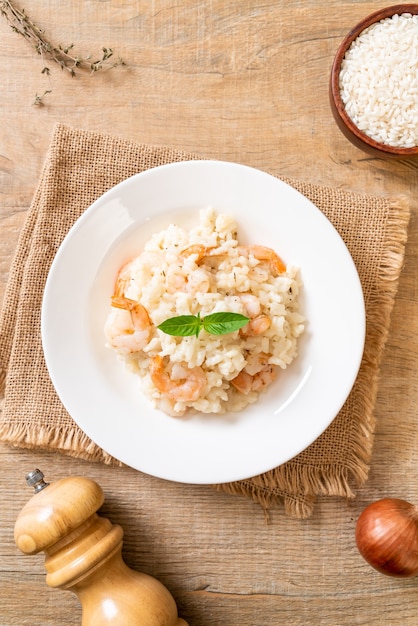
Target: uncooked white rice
x=168 y=284
x=379 y=81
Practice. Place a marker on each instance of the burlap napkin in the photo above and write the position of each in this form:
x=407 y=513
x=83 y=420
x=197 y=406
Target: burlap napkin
x=80 y=166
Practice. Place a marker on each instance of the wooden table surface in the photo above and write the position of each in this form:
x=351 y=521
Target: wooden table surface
x=243 y=81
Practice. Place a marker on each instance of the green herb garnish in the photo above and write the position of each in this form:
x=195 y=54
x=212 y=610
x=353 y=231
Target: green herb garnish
x=215 y=324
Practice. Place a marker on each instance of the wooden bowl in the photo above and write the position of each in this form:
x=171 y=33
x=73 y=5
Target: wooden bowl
x=344 y=122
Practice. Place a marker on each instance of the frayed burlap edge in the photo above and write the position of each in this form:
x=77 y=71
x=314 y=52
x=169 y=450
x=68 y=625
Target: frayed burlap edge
x=75 y=444
x=277 y=486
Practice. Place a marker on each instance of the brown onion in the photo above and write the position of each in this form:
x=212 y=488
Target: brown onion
x=387 y=536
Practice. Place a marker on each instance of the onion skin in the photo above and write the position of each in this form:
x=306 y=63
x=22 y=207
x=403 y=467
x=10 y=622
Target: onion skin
x=387 y=537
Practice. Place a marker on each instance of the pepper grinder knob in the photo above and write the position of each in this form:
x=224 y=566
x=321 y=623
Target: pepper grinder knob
x=35 y=479
x=83 y=554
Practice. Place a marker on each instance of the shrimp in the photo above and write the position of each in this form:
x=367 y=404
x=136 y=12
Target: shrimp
x=259 y=322
x=128 y=327
x=198 y=249
x=202 y=252
x=199 y=281
x=251 y=304
x=257 y=326
x=184 y=385
x=255 y=362
x=245 y=382
x=175 y=280
x=262 y=253
x=123 y=280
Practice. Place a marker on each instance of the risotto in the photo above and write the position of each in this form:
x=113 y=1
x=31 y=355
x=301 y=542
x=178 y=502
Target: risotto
x=201 y=272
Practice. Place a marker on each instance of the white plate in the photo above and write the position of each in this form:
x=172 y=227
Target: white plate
x=105 y=400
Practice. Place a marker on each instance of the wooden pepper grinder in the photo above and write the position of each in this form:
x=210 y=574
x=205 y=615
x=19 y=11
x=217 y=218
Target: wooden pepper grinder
x=83 y=555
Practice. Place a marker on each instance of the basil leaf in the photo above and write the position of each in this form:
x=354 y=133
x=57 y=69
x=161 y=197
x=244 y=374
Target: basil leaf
x=223 y=323
x=215 y=324
x=181 y=326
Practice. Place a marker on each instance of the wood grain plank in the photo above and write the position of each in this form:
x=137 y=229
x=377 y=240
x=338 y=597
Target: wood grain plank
x=246 y=82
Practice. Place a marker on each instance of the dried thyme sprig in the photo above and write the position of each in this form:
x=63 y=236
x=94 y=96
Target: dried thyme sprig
x=39 y=100
x=23 y=25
